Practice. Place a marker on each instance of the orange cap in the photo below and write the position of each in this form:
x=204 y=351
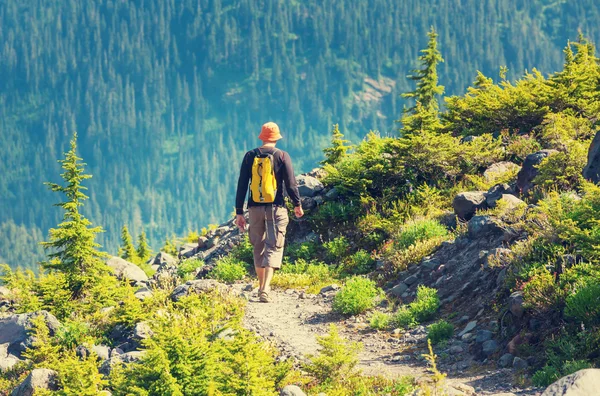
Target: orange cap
x=270 y=132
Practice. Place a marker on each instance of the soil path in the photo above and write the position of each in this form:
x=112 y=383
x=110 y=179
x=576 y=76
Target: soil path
x=293 y=320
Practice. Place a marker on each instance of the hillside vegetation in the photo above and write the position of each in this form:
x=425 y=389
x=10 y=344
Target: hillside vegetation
x=161 y=92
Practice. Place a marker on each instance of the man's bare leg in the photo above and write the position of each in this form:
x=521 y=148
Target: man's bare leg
x=260 y=273
x=268 y=276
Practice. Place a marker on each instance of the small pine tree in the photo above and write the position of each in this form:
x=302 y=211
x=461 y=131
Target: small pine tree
x=127 y=250
x=72 y=244
x=427 y=77
x=143 y=249
x=338 y=149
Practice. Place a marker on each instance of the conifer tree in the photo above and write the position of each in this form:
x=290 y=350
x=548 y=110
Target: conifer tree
x=72 y=245
x=127 y=250
x=426 y=77
x=143 y=249
x=338 y=148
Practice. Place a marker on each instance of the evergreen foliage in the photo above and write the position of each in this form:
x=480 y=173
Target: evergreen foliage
x=73 y=250
x=143 y=250
x=338 y=148
x=127 y=250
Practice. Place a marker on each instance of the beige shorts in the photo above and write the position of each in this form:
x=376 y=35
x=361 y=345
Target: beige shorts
x=268 y=225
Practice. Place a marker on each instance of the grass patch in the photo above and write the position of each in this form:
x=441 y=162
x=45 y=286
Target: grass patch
x=356 y=296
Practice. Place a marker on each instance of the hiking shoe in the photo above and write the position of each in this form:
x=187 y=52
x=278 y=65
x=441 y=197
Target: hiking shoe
x=263 y=297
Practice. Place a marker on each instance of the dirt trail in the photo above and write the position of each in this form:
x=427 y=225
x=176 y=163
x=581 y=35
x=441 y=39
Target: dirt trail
x=292 y=322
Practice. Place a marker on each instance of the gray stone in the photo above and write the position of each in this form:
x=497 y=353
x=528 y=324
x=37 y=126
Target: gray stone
x=14 y=330
x=456 y=349
x=122 y=358
x=4 y=292
x=292 y=390
x=197 y=286
x=515 y=304
x=329 y=288
x=469 y=327
x=143 y=293
x=501 y=277
x=308 y=203
x=102 y=351
x=431 y=264
x=319 y=200
x=399 y=289
x=466 y=204
x=162 y=259
x=227 y=334
x=529 y=170
x=332 y=194
x=483 y=336
x=221 y=231
x=582 y=383
x=489 y=347
x=211 y=243
x=520 y=364
x=124 y=270
x=411 y=280
x=592 y=169
x=202 y=242
x=142 y=331
x=481 y=226
x=39 y=378
x=512 y=202
x=7 y=360
x=188 y=250
x=309 y=186
x=499 y=169
x=506 y=360
x=495 y=193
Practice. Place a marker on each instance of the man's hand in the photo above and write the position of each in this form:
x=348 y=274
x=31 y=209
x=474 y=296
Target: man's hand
x=298 y=211
x=240 y=221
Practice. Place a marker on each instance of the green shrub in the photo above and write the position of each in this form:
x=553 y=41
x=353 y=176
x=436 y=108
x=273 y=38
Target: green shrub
x=440 y=332
x=228 y=270
x=404 y=317
x=359 y=263
x=380 y=320
x=541 y=293
x=426 y=304
x=546 y=376
x=356 y=296
x=336 y=360
x=305 y=251
x=584 y=304
x=303 y=274
x=400 y=259
x=187 y=268
x=563 y=170
x=337 y=249
x=418 y=231
x=244 y=251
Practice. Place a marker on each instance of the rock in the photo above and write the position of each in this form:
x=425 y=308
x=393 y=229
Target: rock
x=4 y=292
x=520 y=364
x=14 y=330
x=319 y=200
x=411 y=280
x=489 y=347
x=39 y=378
x=123 y=358
x=329 y=288
x=221 y=231
x=143 y=293
x=102 y=351
x=459 y=389
x=499 y=169
x=197 y=286
x=227 y=335
x=309 y=186
x=515 y=304
x=467 y=203
x=162 y=259
x=506 y=360
x=501 y=277
x=124 y=270
x=202 y=242
x=456 y=349
x=592 y=169
x=480 y=226
x=431 y=264
x=469 y=327
x=188 y=250
x=399 y=289
x=332 y=194
x=292 y=390
x=308 y=203
x=495 y=193
x=582 y=383
x=7 y=360
x=211 y=243
x=483 y=336
x=529 y=170
x=142 y=331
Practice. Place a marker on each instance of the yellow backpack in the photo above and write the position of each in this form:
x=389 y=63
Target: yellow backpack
x=263 y=185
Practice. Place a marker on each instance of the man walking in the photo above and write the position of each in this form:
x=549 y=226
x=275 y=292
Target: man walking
x=265 y=170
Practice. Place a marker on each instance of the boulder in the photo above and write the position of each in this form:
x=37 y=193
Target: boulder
x=162 y=259
x=582 y=383
x=188 y=250
x=506 y=360
x=399 y=289
x=39 y=378
x=308 y=203
x=469 y=327
x=499 y=169
x=480 y=226
x=122 y=358
x=529 y=170
x=520 y=364
x=515 y=304
x=197 y=286
x=467 y=203
x=14 y=330
x=309 y=186
x=143 y=293
x=496 y=192
x=102 y=351
x=202 y=242
x=511 y=201
x=489 y=347
x=483 y=336
x=292 y=390
x=142 y=331
x=124 y=270
x=329 y=288
x=7 y=360
x=332 y=194
x=4 y=292
x=592 y=170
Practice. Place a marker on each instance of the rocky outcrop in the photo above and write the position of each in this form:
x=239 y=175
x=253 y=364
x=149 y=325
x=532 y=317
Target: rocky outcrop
x=592 y=170
x=39 y=378
x=124 y=270
x=582 y=383
x=7 y=360
x=292 y=390
x=498 y=170
x=309 y=186
x=466 y=204
x=529 y=170
x=197 y=286
x=15 y=330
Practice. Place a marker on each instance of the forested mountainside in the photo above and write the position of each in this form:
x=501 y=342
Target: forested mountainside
x=167 y=94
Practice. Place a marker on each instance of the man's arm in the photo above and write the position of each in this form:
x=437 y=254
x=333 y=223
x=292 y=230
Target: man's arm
x=290 y=181
x=242 y=187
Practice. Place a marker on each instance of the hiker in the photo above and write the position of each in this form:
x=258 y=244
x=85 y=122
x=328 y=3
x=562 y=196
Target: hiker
x=266 y=169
